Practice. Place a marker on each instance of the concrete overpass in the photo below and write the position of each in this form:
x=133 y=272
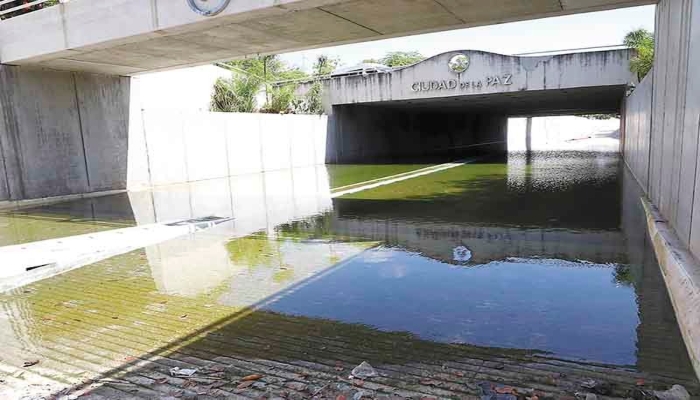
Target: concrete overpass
x=126 y=37
x=438 y=109
x=593 y=81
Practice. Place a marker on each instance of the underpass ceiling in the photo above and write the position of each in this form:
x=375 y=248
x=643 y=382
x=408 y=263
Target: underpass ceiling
x=168 y=35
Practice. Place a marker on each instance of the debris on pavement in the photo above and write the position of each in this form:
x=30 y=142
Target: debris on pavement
x=489 y=391
x=252 y=377
x=363 y=371
x=245 y=384
x=359 y=395
x=597 y=387
x=676 y=392
x=182 y=372
x=505 y=390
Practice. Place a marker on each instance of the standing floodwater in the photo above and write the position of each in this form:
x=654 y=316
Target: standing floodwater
x=532 y=270
x=558 y=261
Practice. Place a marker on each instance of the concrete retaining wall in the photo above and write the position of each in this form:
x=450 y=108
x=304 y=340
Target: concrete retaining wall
x=363 y=134
x=662 y=134
x=61 y=133
x=173 y=146
x=662 y=130
x=637 y=128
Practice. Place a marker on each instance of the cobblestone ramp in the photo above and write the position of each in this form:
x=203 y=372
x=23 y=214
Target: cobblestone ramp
x=104 y=331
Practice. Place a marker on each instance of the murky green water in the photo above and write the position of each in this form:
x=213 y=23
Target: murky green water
x=549 y=264
x=543 y=254
x=344 y=175
x=65 y=219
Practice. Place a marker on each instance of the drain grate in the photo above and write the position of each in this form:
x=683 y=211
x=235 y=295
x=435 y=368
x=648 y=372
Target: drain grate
x=209 y=219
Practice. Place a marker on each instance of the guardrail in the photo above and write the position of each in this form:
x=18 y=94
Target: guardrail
x=13 y=8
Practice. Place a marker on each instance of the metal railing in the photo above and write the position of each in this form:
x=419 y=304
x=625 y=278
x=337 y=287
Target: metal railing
x=14 y=8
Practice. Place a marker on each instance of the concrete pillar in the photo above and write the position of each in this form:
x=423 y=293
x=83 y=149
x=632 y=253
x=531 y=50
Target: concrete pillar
x=528 y=135
x=61 y=133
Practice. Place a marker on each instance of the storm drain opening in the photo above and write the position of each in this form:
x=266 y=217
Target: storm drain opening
x=202 y=223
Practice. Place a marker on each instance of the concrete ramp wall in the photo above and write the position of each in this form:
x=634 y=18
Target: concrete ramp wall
x=661 y=139
x=173 y=146
x=61 y=133
x=661 y=121
x=637 y=126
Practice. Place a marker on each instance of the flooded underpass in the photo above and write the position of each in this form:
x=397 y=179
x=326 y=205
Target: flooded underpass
x=528 y=276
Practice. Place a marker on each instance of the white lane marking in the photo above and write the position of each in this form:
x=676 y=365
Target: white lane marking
x=386 y=177
x=399 y=178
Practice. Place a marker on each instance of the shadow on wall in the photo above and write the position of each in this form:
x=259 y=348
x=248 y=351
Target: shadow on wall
x=376 y=134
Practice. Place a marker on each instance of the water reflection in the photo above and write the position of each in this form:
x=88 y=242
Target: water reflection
x=66 y=219
x=567 y=308
x=559 y=260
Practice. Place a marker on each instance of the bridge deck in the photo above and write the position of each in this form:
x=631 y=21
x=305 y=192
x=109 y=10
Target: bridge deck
x=132 y=36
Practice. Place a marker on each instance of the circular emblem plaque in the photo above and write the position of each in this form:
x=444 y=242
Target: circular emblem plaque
x=208 y=8
x=458 y=63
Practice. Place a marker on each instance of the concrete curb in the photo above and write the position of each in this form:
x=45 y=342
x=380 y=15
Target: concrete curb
x=19 y=204
x=681 y=272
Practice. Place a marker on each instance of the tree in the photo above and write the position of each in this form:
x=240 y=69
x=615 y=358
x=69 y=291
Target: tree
x=281 y=100
x=235 y=94
x=398 y=58
x=238 y=93
x=267 y=68
x=313 y=103
x=642 y=41
x=325 y=65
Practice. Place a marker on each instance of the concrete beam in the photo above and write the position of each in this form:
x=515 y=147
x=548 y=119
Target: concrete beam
x=493 y=78
x=132 y=36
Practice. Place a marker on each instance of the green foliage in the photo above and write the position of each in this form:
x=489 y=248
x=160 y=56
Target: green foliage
x=642 y=41
x=280 y=100
x=398 y=58
x=291 y=74
x=313 y=101
x=18 y=3
x=325 y=65
x=268 y=68
x=254 y=251
x=236 y=94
